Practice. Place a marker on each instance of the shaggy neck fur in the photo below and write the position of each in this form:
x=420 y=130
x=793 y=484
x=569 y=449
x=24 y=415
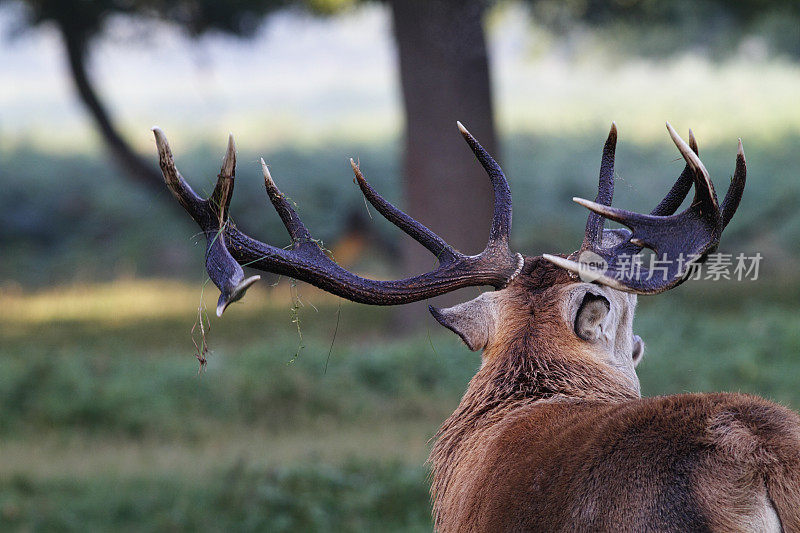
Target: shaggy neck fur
x=535 y=364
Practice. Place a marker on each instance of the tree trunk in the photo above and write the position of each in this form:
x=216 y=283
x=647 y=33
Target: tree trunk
x=444 y=73
x=129 y=161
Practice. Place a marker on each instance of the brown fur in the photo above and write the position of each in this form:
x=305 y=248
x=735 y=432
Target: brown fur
x=549 y=438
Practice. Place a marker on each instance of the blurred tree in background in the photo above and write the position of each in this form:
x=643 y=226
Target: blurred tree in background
x=444 y=75
x=82 y=23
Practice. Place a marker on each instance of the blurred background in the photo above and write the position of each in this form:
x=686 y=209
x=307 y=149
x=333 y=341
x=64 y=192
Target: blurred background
x=314 y=413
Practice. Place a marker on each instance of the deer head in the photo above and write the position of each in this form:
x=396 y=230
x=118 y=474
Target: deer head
x=542 y=298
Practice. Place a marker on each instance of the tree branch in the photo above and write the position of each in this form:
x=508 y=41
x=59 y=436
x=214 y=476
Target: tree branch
x=133 y=165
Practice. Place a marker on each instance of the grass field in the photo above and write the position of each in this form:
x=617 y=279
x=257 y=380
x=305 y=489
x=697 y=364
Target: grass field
x=106 y=423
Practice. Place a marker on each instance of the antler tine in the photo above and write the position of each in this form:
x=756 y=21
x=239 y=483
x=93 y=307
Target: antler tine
x=677 y=194
x=223 y=191
x=645 y=227
x=291 y=220
x=704 y=189
x=601 y=208
x=190 y=201
x=413 y=228
x=225 y=272
x=212 y=217
x=593 y=236
x=668 y=205
x=501 y=219
x=612 y=213
x=734 y=195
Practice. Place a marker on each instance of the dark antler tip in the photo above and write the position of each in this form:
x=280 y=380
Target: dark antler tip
x=437 y=314
x=167 y=164
x=611 y=142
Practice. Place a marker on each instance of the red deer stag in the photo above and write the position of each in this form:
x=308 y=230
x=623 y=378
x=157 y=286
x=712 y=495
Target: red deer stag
x=552 y=433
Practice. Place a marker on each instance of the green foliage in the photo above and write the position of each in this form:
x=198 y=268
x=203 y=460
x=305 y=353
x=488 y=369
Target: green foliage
x=353 y=497
x=723 y=337
x=654 y=27
x=138 y=378
x=100 y=383
x=109 y=427
x=85 y=20
x=329 y=7
x=241 y=18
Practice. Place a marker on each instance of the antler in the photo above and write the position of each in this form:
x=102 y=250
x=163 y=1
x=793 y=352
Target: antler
x=228 y=249
x=677 y=240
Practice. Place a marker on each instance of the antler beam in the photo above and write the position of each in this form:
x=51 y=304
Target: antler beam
x=228 y=249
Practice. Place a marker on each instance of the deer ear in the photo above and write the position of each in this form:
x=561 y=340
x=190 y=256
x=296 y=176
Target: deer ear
x=590 y=317
x=638 y=350
x=474 y=321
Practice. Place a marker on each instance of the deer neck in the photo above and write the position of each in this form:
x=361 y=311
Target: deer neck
x=526 y=371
